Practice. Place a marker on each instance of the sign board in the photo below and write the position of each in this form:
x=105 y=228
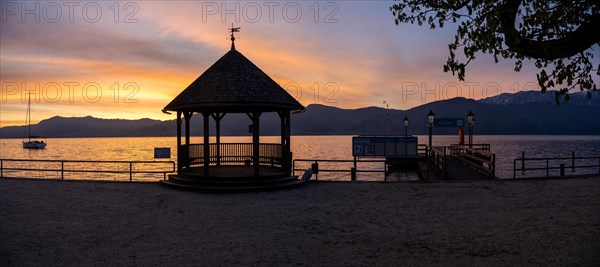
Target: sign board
x=162 y=152
x=384 y=146
x=446 y=122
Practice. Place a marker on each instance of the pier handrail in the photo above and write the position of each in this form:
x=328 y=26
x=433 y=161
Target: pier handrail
x=478 y=147
x=438 y=159
x=422 y=150
x=479 y=157
x=129 y=165
x=548 y=166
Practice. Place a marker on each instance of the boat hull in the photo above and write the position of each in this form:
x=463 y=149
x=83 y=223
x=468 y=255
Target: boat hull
x=34 y=144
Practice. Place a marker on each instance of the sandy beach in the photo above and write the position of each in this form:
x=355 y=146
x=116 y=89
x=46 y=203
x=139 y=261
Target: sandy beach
x=53 y=223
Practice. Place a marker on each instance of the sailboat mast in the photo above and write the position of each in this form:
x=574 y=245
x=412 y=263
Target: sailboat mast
x=29 y=116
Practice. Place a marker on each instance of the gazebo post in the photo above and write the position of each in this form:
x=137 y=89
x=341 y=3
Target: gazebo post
x=256 y=142
x=179 y=148
x=206 y=143
x=187 y=116
x=285 y=140
x=217 y=117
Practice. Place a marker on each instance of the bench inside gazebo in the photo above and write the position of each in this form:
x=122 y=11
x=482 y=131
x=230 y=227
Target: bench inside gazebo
x=233 y=84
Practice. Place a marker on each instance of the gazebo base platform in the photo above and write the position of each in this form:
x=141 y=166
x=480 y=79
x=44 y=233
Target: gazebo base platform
x=223 y=179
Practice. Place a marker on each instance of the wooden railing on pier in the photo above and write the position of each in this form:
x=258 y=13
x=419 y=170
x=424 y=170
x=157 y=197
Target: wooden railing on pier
x=478 y=147
x=422 y=150
x=439 y=161
x=83 y=169
x=477 y=157
x=232 y=154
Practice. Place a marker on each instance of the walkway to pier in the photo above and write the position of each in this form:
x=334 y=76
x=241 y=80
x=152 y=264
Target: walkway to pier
x=459 y=162
x=457 y=170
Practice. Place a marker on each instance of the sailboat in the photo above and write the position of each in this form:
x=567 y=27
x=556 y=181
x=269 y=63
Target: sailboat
x=31 y=142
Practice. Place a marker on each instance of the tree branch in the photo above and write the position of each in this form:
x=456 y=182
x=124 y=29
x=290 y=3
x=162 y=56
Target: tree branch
x=569 y=45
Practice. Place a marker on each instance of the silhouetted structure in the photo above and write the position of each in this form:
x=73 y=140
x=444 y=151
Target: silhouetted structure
x=233 y=85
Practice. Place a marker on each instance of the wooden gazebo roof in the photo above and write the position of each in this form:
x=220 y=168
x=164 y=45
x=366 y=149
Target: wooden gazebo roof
x=233 y=84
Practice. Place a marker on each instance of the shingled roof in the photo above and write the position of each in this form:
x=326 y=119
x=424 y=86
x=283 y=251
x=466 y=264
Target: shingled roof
x=233 y=84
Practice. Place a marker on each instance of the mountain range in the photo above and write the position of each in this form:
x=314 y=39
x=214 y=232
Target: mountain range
x=522 y=113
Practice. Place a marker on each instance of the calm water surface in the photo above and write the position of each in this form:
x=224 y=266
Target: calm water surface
x=507 y=148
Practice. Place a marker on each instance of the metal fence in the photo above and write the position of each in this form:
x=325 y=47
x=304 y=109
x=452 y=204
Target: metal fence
x=555 y=167
x=123 y=171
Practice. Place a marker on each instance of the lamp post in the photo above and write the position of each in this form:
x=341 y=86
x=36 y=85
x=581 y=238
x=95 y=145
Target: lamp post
x=430 y=119
x=387 y=118
x=471 y=122
x=405 y=125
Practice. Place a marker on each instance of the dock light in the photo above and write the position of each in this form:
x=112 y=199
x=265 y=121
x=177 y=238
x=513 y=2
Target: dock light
x=471 y=122
x=430 y=119
x=406 y=121
x=470 y=118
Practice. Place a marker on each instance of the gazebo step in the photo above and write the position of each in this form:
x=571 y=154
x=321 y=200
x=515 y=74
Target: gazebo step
x=234 y=188
x=233 y=173
x=225 y=181
x=226 y=178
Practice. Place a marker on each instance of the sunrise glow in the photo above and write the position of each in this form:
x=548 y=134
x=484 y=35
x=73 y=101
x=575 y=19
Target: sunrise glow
x=129 y=64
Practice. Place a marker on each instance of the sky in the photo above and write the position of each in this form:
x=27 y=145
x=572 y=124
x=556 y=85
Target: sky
x=129 y=59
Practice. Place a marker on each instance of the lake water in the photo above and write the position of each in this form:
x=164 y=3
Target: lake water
x=507 y=148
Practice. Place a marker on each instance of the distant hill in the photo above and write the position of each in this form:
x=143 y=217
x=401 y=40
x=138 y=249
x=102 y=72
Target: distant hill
x=579 y=98
x=520 y=113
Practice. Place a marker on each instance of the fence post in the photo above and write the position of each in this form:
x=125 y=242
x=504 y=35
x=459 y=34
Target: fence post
x=523 y=162
x=353 y=174
x=493 y=166
x=562 y=170
x=514 y=169
x=445 y=164
x=385 y=172
x=573 y=161
x=547 y=168
x=130 y=171
x=62 y=170
x=1 y=169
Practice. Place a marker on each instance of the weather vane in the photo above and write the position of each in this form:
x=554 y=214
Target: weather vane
x=233 y=30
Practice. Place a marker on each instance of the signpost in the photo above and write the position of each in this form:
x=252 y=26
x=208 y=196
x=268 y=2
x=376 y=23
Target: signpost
x=162 y=152
x=446 y=122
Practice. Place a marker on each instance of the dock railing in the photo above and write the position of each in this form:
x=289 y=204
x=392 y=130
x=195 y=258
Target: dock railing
x=478 y=157
x=547 y=166
x=439 y=161
x=83 y=169
x=422 y=150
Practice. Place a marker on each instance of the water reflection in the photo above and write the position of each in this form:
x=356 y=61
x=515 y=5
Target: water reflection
x=507 y=148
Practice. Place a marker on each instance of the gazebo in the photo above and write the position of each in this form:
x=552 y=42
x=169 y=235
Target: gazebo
x=233 y=84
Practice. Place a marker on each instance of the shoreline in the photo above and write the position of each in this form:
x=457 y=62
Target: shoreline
x=315 y=135
x=552 y=221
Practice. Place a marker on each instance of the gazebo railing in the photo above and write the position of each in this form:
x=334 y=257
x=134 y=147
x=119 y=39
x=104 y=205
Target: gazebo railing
x=231 y=154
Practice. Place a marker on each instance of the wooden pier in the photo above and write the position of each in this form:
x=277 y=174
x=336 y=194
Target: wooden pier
x=454 y=162
x=460 y=162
